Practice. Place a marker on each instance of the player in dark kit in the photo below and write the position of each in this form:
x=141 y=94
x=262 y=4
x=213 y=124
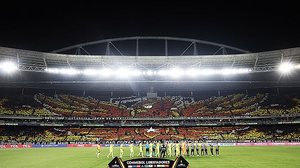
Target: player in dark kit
x=211 y=149
x=180 y=149
x=163 y=151
x=147 y=149
x=197 y=148
x=217 y=150
x=193 y=149
x=187 y=148
x=202 y=149
x=205 y=149
x=153 y=149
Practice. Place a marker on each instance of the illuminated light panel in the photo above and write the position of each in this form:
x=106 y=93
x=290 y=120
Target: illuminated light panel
x=149 y=73
x=176 y=72
x=136 y=72
x=173 y=72
x=208 y=72
x=90 y=72
x=8 y=67
x=193 y=72
x=63 y=71
x=106 y=72
x=233 y=71
x=162 y=72
x=286 y=67
x=124 y=72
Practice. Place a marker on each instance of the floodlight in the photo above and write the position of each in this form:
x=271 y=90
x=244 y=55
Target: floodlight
x=150 y=72
x=286 y=67
x=207 y=72
x=135 y=72
x=106 y=72
x=228 y=71
x=234 y=71
x=52 y=70
x=122 y=72
x=192 y=72
x=8 y=67
x=175 y=72
x=162 y=72
x=63 y=71
x=90 y=72
x=245 y=70
x=69 y=71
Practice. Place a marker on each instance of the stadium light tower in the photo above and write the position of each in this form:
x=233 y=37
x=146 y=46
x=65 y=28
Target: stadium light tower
x=8 y=67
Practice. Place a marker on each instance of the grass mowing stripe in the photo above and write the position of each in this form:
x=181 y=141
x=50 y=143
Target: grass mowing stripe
x=231 y=157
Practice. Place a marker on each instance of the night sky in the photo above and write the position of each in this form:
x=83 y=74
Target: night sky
x=246 y=24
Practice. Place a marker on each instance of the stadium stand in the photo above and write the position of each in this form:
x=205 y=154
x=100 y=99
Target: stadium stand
x=38 y=135
x=169 y=106
x=88 y=120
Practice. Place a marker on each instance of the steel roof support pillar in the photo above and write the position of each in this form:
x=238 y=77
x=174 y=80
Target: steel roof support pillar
x=166 y=47
x=108 y=48
x=137 y=47
x=195 y=49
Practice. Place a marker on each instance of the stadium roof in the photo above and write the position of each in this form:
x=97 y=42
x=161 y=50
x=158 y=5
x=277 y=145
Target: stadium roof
x=35 y=71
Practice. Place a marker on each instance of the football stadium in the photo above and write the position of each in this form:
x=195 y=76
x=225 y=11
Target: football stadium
x=88 y=104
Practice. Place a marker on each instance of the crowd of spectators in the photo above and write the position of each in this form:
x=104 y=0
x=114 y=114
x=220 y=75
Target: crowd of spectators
x=142 y=107
x=47 y=135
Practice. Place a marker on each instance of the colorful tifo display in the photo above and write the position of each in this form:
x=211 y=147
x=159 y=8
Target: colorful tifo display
x=176 y=106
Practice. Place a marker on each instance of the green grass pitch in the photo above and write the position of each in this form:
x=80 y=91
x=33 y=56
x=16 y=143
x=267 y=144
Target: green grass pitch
x=230 y=157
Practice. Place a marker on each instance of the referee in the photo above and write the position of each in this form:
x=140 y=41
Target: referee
x=217 y=149
x=163 y=151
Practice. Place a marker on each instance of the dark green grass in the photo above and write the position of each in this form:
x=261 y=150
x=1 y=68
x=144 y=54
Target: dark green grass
x=233 y=157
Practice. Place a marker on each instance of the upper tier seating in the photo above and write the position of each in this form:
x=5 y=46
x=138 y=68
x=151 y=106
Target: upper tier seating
x=175 y=106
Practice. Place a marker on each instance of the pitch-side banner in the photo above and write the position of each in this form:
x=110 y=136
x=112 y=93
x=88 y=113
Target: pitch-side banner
x=49 y=146
x=81 y=145
x=269 y=144
x=179 y=162
x=16 y=146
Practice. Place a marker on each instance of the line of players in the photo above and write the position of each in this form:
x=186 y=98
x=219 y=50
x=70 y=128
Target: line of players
x=168 y=148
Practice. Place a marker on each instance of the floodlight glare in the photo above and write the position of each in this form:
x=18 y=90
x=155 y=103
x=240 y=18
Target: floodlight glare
x=135 y=72
x=90 y=72
x=69 y=71
x=234 y=71
x=52 y=70
x=106 y=72
x=207 y=72
x=286 y=67
x=8 y=67
x=175 y=72
x=244 y=70
x=149 y=72
x=63 y=71
x=122 y=72
x=192 y=72
x=228 y=71
x=162 y=72
x=125 y=72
